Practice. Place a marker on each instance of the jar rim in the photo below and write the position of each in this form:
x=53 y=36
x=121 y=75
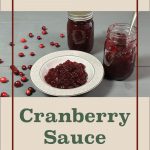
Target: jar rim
x=80 y=15
x=118 y=29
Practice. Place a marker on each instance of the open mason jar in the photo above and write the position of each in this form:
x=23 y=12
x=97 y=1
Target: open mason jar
x=119 y=51
x=80 y=30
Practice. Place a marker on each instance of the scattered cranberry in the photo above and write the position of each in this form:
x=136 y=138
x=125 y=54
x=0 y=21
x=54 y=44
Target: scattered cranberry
x=62 y=35
x=21 y=54
x=41 y=46
x=57 y=45
x=31 y=35
x=4 y=94
x=24 y=67
x=14 y=69
x=32 y=54
x=29 y=67
x=23 y=40
x=21 y=74
x=3 y=80
x=28 y=92
x=31 y=89
x=44 y=28
x=1 y=61
x=17 y=84
x=39 y=37
x=44 y=32
x=24 y=79
x=11 y=44
x=52 y=43
x=25 y=47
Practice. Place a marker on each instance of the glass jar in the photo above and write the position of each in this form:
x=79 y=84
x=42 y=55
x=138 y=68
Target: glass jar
x=80 y=30
x=119 y=51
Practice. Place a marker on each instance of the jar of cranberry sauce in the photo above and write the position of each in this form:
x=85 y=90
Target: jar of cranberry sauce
x=80 y=30
x=119 y=52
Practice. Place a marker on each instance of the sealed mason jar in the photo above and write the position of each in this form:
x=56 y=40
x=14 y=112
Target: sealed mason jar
x=119 y=51
x=80 y=30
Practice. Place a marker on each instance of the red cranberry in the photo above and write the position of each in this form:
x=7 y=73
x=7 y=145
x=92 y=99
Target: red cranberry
x=32 y=54
x=44 y=28
x=25 y=47
x=23 y=40
x=29 y=67
x=18 y=84
x=28 y=92
x=1 y=61
x=31 y=89
x=44 y=32
x=62 y=35
x=39 y=37
x=52 y=43
x=3 y=80
x=21 y=54
x=24 y=79
x=14 y=69
x=57 y=45
x=24 y=67
x=16 y=72
x=4 y=94
x=21 y=74
x=11 y=44
x=41 y=46
x=31 y=35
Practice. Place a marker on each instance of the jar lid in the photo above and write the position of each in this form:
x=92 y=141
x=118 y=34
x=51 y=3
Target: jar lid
x=80 y=15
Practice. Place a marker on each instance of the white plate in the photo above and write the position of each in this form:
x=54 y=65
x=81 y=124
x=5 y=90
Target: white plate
x=94 y=69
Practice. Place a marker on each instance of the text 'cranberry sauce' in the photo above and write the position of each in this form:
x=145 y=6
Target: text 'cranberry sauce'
x=80 y=30
x=119 y=52
x=67 y=75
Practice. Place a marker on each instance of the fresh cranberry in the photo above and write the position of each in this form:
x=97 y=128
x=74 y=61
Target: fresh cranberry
x=21 y=54
x=28 y=92
x=11 y=44
x=44 y=28
x=14 y=69
x=31 y=35
x=39 y=37
x=29 y=67
x=62 y=35
x=21 y=74
x=44 y=32
x=1 y=61
x=24 y=79
x=41 y=46
x=4 y=94
x=57 y=45
x=18 y=84
x=24 y=67
x=23 y=40
x=52 y=43
x=31 y=89
x=25 y=47
x=3 y=80
x=32 y=54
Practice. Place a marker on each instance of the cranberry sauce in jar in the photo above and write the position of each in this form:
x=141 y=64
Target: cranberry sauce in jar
x=80 y=30
x=119 y=52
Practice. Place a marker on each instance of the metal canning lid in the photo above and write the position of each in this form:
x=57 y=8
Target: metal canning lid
x=80 y=15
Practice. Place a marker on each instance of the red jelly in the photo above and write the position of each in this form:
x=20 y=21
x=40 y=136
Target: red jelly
x=80 y=31
x=119 y=52
x=67 y=75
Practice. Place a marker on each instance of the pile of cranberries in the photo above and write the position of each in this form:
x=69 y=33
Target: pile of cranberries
x=67 y=75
